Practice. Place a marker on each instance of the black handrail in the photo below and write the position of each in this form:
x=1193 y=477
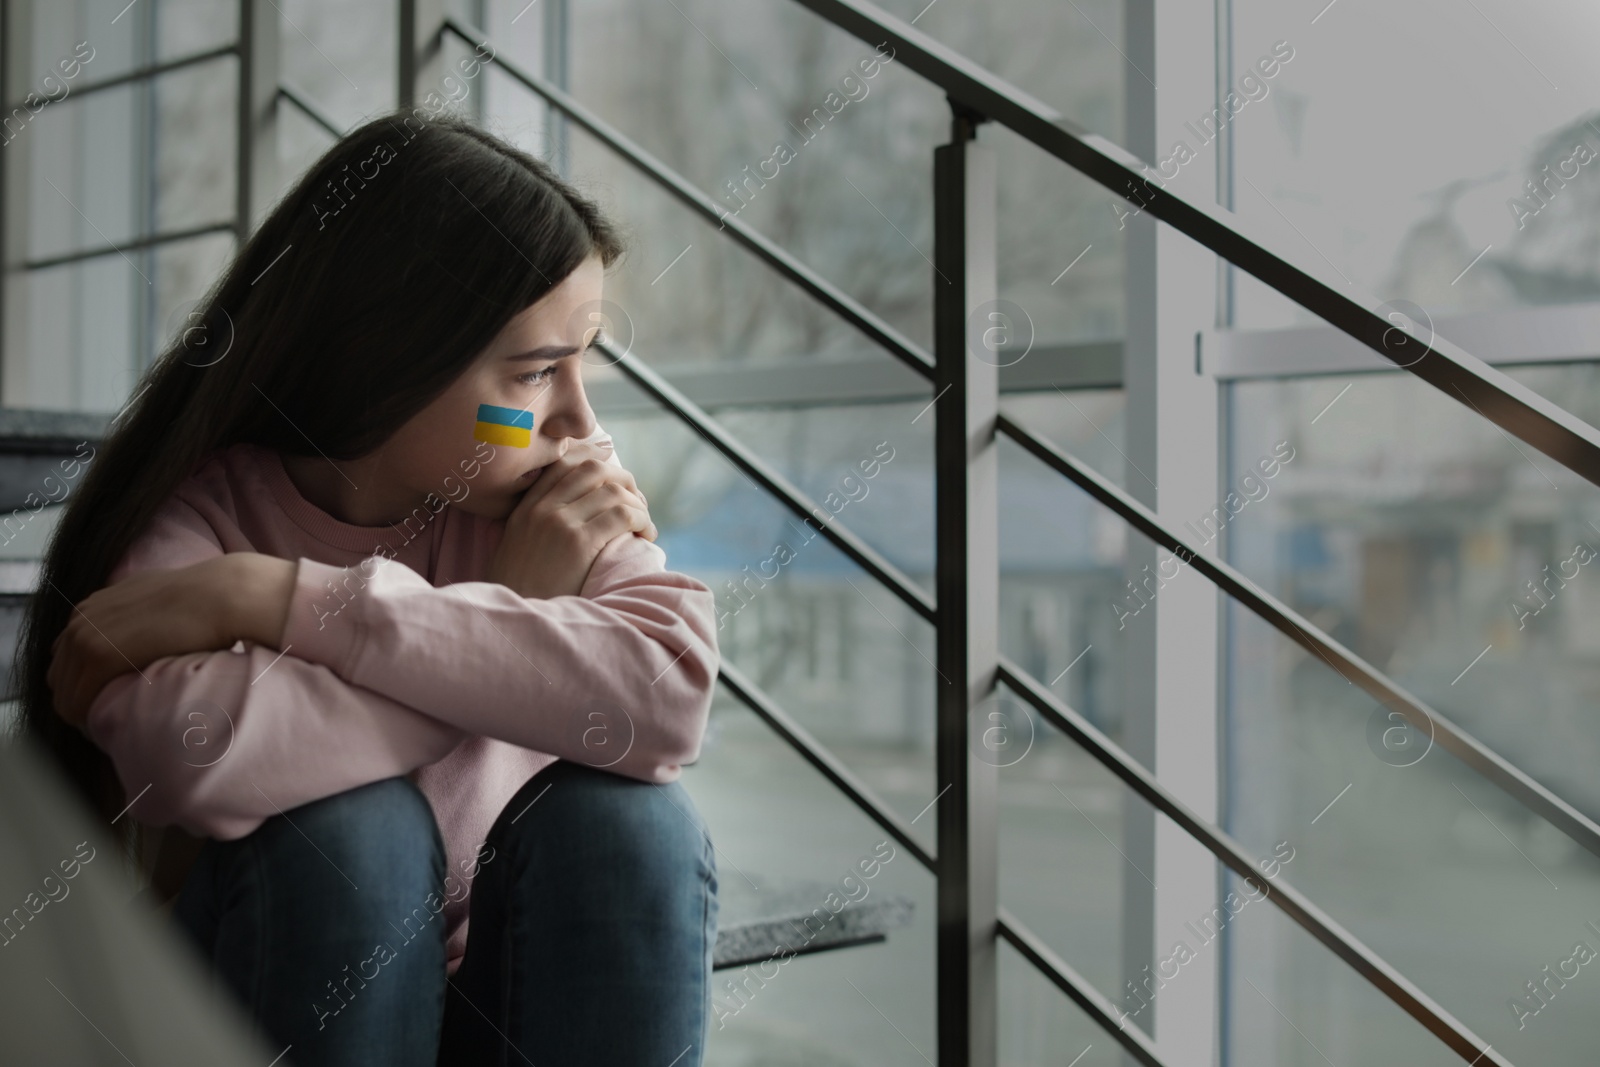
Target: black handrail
x=1386 y=978
x=1508 y=404
x=982 y=96
x=1472 y=752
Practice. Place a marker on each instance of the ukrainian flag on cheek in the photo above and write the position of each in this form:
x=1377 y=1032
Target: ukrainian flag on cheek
x=504 y=426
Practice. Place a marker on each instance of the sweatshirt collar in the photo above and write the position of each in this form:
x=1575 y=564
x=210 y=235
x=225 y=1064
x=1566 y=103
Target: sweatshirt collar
x=331 y=531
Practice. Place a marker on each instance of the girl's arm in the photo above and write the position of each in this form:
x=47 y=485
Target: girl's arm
x=216 y=742
x=619 y=676
x=224 y=739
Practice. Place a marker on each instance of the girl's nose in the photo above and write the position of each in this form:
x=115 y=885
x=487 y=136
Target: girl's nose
x=571 y=416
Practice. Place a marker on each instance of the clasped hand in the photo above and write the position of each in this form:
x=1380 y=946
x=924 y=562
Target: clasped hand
x=577 y=506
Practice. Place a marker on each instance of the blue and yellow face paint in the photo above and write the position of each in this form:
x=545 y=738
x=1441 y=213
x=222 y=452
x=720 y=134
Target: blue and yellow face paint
x=504 y=426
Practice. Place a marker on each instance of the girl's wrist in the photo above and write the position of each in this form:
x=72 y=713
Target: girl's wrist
x=257 y=603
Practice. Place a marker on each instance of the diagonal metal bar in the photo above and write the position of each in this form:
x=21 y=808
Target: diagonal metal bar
x=308 y=109
x=1078 y=989
x=1513 y=407
x=824 y=761
x=1351 y=667
x=148 y=241
x=1390 y=982
x=786 y=264
x=152 y=70
x=865 y=556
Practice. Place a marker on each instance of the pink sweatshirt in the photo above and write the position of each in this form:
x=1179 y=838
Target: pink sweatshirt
x=417 y=667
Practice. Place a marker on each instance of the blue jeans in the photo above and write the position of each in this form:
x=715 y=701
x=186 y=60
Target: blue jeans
x=593 y=920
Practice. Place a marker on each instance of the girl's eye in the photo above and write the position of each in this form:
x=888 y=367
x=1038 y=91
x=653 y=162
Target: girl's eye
x=538 y=376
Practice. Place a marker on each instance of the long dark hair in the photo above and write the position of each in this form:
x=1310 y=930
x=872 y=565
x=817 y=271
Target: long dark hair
x=368 y=289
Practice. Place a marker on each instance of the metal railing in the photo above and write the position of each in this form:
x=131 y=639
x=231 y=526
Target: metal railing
x=968 y=423
x=967 y=575
x=303 y=104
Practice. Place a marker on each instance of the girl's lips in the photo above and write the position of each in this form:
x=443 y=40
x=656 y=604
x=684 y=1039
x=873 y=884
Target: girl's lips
x=531 y=475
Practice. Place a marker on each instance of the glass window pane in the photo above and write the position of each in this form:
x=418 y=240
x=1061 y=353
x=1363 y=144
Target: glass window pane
x=88 y=328
x=78 y=352
x=1397 y=184
x=182 y=272
x=90 y=161
x=340 y=53
x=80 y=42
x=195 y=159
x=1070 y=56
x=185 y=27
x=828 y=158
x=1455 y=561
x=75 y=43
x=79 y=164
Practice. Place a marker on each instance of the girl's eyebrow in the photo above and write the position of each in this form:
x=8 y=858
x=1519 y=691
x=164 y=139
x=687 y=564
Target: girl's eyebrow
x=545 y=352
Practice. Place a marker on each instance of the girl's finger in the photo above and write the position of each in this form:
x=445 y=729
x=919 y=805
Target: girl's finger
x=596 y=502
x=578 y=482
x=614 y=522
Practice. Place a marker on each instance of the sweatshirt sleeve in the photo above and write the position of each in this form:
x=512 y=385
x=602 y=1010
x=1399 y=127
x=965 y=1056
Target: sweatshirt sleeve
x=216 y=742
x=619 y=676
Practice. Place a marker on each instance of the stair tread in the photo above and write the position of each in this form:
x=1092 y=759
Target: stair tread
x=756 y=921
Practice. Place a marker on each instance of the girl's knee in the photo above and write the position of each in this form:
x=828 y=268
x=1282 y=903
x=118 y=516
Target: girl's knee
x=608 y=818
x=383 y=829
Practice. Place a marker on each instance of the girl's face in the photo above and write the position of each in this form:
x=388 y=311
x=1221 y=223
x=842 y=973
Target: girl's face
x=532 y=365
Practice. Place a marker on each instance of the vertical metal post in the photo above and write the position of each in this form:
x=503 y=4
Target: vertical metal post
x=16 y=44
x=557 y=40
x=479 y=97
x=146 y=134
x=8 y=47
x=1138 y=379
x=966 y=391
x=421 y=51
x=258 y=109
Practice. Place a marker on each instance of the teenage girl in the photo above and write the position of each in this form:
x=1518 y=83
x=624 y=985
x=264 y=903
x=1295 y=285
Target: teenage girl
x=370 y=649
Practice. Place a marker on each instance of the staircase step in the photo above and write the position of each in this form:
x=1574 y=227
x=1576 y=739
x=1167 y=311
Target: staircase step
x=777 y=918
x=33 y=442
